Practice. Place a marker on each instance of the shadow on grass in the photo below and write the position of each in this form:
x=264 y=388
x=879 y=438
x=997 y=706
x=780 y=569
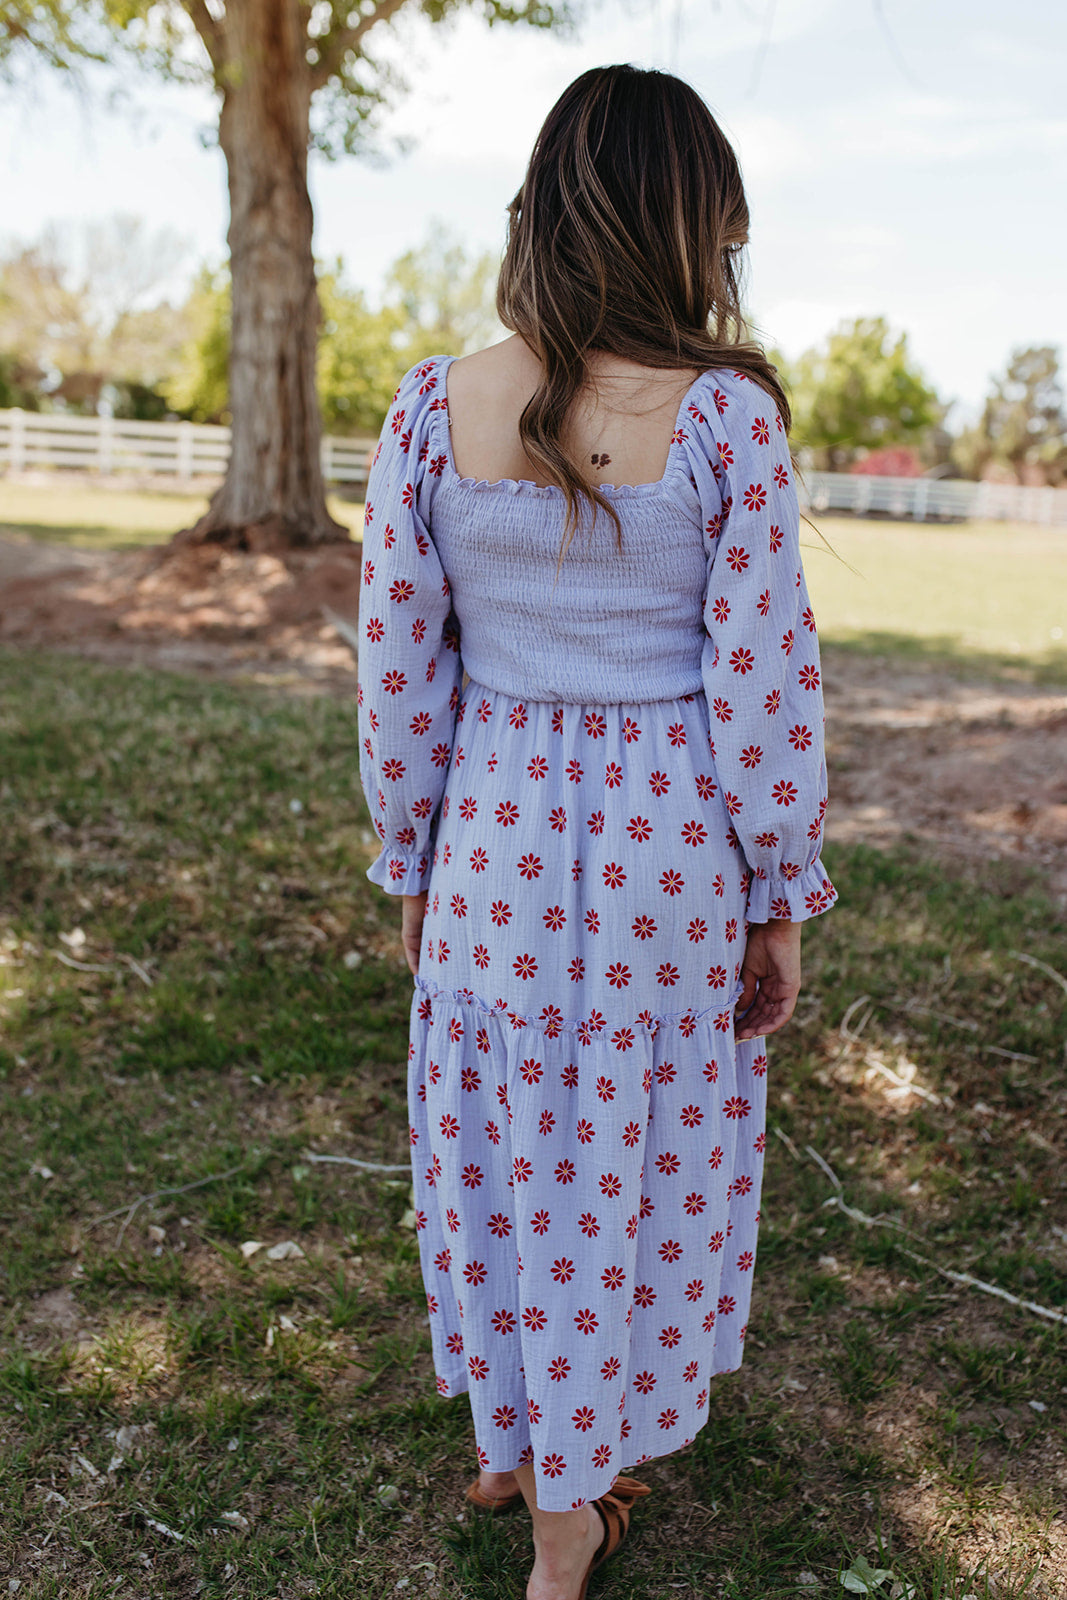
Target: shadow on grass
x=946 y=654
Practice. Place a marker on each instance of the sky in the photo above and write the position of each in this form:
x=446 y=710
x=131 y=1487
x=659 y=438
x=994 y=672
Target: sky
x=903 y=158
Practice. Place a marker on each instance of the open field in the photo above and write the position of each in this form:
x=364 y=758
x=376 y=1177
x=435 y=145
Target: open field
x=196 y=982
x=90 y=518
x=998 y=588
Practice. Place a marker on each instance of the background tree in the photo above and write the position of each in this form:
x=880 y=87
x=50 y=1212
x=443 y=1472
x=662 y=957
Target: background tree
x=1023 y=425
x=436 y=298
x=860 y=391
x=82 y=318
x=270 y=62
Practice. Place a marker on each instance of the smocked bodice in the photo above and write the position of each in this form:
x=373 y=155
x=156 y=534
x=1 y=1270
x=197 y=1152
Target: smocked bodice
x=611 y=625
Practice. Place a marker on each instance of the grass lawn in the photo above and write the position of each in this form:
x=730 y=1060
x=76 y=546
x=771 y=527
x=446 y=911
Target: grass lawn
x=113 y=519
x=995 y=587
x=198 y=983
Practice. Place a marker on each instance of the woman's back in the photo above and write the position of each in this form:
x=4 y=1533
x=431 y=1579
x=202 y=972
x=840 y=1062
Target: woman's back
x=625 y=426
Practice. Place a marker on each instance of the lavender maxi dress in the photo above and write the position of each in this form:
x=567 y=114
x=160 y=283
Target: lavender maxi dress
x=633 y=769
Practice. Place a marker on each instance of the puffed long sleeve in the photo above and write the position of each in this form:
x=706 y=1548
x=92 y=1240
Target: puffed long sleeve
x=760 y=663
x=410 y=670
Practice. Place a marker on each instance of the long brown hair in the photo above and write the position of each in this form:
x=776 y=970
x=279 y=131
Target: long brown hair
x=626 y=236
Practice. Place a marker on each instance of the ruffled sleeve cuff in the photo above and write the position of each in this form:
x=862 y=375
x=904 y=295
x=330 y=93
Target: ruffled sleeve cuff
x=400 y=871
x=792 y=897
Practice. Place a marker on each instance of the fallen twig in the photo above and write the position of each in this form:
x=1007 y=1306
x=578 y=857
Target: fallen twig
x=838 y=1199
x=787 y=1141
x=79 y=966
x=135 y=966
x=350 y=1161
x=1042 y=966
x=1012 y=1055
x=903 y=1083
x=942 y=1016
x=156 y=1194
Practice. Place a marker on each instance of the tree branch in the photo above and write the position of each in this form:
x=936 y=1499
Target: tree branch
x=210 y=31
x=335 y=45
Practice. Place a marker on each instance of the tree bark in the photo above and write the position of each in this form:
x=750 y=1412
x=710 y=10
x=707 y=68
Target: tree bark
x=273 y=495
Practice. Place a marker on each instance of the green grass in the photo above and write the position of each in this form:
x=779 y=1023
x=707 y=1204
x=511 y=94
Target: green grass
x=104 y=518
x=241 y=1000
x=998 y=588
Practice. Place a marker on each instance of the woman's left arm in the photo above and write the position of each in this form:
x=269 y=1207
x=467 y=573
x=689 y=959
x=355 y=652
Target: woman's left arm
x=761 y=665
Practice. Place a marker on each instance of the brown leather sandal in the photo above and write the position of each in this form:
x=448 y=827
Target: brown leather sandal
x=476 y=1496
x=613 y=1510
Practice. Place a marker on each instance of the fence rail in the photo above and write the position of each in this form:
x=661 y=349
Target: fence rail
x=184 y=451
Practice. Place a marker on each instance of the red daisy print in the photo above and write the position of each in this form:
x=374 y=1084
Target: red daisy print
x=584 y=1418
x=586 y=1321
x=553 y=1466
x=645 y=1382
x=613 y=1277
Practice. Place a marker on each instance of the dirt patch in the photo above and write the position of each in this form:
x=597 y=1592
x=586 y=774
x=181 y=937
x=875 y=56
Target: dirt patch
x=973 y=769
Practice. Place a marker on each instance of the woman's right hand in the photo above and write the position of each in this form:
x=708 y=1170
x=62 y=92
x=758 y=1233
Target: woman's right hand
x=770 y=973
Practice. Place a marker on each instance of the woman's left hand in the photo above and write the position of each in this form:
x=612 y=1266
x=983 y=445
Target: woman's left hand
x=414 y=909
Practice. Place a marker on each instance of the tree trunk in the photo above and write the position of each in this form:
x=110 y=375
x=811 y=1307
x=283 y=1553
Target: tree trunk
x=273 y=494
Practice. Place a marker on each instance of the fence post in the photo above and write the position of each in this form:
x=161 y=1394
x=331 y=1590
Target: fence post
x=184 y=467
x=105 y=456
x=918 y=505
x=327 y=458
x=17 y=443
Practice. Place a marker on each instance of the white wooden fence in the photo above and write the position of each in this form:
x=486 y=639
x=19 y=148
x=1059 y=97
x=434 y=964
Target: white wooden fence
x=105 y=446
x=184 y=451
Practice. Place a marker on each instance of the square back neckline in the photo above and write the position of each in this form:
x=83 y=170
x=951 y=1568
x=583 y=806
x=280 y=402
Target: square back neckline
x=514 y=485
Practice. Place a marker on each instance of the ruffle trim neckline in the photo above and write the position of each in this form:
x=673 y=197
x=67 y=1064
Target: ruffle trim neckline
x=646 y=1025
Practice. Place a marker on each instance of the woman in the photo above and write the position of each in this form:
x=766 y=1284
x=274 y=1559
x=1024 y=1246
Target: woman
x=608 y=839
